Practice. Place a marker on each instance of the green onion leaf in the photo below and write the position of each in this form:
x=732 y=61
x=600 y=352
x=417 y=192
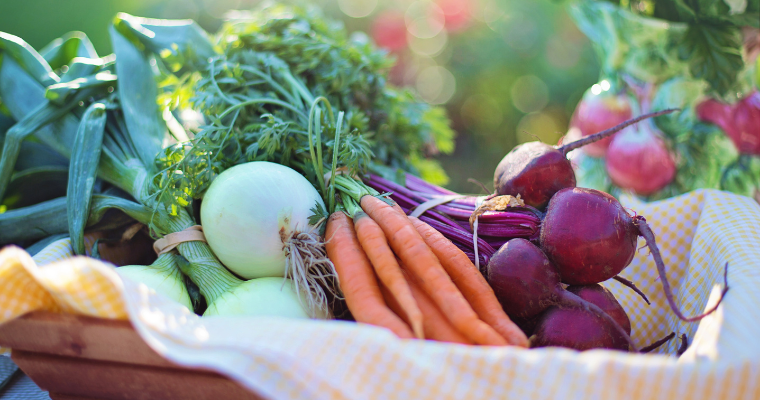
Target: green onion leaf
x=64 y=49
x=83 y=169
x=31 y=61
x=138 y=91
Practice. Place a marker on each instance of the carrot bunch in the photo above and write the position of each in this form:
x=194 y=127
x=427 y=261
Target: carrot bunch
x=399 y=273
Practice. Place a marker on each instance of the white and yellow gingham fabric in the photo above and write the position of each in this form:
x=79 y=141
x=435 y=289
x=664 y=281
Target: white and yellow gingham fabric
x=296 y=359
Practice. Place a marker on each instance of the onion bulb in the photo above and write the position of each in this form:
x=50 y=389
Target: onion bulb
x=273 y=297
x=161 y=276
x=256 y=220
x=249 y=209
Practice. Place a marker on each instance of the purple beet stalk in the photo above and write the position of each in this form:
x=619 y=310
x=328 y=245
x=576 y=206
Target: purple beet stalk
x=419 y=185
x=452 y=219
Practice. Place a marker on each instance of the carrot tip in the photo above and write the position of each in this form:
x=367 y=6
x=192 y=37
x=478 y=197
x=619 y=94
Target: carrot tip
x=419 y=332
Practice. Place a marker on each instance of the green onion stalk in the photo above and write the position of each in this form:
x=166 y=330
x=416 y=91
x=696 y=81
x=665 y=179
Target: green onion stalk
x=66 y=125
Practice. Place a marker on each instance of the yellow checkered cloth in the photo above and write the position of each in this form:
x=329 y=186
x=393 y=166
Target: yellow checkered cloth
x=300 y=359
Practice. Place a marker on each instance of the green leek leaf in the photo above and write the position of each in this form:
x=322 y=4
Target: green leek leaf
x=31 y=61
x=49 y=218
x=181 y=44
x=43 y=115
x=23 y=95
x=61 y=92
x=83 y=169
x=64 y=49
x=137 y=93
x=36 y=185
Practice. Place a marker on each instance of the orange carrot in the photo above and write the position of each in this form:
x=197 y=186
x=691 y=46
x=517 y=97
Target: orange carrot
x=356 y=278
x=381 y=256
x=437 y=327
x=471 y=283
x=414 y=253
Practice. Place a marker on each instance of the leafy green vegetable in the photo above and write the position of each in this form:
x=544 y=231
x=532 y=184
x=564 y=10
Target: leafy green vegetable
x=138 y=91
x=41 y=116
x=711 y=45
x=714 y=54
x=22 y=94
x=60 y=52
x=28 y=58
x=35 y=185
x=741 y=176
x=85 y=157
x=270 y=96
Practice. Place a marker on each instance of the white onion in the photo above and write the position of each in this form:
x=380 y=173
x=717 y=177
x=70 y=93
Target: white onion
x=249 y=209
x=275 y=297
x=161 y=276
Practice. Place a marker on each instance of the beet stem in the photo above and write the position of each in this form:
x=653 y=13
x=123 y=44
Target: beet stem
x=479 y=183
x=646 y=232
x=684 y=345
x=632 y=286
x=570 y=299
x=603 y=134
x=658 y=343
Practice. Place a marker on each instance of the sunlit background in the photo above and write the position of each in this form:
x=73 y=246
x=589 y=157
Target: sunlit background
x=508 y=71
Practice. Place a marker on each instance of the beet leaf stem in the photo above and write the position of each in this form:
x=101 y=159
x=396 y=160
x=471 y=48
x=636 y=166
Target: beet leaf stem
x=603 y=134
x=684 y=345
x=658 y=343
x=632 y=286
x=646 y=232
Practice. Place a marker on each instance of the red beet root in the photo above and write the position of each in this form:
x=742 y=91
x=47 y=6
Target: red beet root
x=638 y=160
x=604 y=299
x=536 y=170
x=588 y=235
x=590 y=238
x=576 y=328
x=524 y=280
x=526 y=284
x=597 y=112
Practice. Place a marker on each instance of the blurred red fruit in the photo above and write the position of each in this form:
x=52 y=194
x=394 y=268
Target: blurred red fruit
x=597 y=112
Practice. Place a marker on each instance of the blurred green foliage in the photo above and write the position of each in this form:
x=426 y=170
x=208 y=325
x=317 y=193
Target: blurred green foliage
x=520 y=66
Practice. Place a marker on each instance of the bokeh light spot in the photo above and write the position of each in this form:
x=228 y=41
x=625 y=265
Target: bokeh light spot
x=482 y=114
x=389 y=30
x=357 y=8
x=424 y=19
x=218 y=8
x=562 y=53
x=596 y=89
x=436 y=84
x=541 y=126
x=428 y=47
x=529 y=94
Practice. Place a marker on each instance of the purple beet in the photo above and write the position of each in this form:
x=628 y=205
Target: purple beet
x=524 y=280
x=527 y=325
x=537 y=170
x=604 y=299
x=576 y=328
x=590 y=238
x=526 y=283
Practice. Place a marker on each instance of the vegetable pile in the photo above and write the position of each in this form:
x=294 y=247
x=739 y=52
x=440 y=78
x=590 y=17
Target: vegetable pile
x=586 y=238
x=146 y=131
x=700 y=57
x=275 y=173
